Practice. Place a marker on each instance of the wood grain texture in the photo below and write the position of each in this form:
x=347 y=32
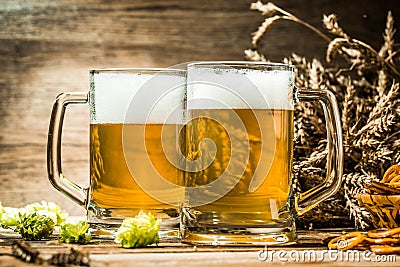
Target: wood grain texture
x=47 y=47
x=107 y=253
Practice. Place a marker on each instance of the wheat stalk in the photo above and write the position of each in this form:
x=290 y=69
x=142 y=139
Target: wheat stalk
x=367 y=91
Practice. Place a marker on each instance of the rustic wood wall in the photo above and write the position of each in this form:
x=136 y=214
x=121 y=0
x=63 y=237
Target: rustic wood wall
x=48 y=46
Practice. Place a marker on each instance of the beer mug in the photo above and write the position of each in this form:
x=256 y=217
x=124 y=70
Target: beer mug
x=136 y=116
x=239 y=148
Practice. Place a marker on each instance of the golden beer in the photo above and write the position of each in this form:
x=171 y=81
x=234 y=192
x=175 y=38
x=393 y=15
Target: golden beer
x=114 y=191
x=241 y=211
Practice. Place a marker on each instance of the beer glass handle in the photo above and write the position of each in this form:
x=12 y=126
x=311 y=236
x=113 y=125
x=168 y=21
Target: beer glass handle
x=308 y=200
x=54 y=171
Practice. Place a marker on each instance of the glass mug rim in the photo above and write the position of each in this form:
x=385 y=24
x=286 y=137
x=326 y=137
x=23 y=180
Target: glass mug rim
x=233 y=64
x=261 y=65
x=137 y=70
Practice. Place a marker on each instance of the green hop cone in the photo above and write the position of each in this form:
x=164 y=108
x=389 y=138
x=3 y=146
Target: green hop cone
x=48 y=209
x=9 y=216
x=75 y=233
x=139 y=231
x=33 y=226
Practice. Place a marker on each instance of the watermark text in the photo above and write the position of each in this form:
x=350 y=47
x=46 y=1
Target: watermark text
x=269 y=255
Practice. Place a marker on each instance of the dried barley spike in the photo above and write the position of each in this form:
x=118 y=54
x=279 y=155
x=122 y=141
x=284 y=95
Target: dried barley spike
x=22 y=250
x=333 y=48
x=348 y=104
x=263 y=28
x=388 y=37
x=331 y=24
x=254 y=55
x=382 y=84
x=74 y=257
x=267 y=10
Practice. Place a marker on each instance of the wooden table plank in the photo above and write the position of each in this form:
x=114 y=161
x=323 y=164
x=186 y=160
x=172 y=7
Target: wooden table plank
x=106 y=253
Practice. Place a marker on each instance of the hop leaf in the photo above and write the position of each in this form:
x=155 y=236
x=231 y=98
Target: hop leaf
x=139 y=231
x=75 y=233
x=33 y=226
x=48 y=209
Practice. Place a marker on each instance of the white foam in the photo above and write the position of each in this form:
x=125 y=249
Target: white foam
x=137 y=98
x=221 y=88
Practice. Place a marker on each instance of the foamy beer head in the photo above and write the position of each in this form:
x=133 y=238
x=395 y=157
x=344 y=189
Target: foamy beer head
x=137 y=96
x=240 y=86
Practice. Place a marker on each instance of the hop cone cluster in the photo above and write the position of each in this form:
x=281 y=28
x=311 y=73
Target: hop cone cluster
x=33 y=226
x=48 y=209
x=139 y=231
x=75 y=233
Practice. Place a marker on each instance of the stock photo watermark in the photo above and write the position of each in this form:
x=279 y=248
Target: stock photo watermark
x=327 y=255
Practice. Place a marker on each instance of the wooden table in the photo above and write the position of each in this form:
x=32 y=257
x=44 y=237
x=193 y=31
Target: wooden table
x=310 y=249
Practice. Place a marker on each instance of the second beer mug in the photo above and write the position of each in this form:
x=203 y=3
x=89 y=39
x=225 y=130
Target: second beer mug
x=136 y=116
x=239 y=146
